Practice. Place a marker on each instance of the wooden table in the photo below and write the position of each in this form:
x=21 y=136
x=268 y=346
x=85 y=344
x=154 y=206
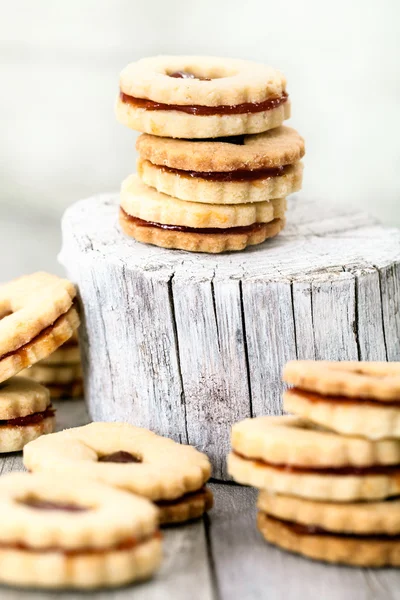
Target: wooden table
x=219 y=558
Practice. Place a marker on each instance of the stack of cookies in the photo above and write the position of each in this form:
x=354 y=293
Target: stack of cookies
x=61 y=372
x=329 y=476
x=37 y=316
x=215 y=162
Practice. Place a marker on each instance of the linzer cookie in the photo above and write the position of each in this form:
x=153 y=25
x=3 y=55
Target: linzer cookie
x=66 y=532
x=290 y=455
x=352 y=398
x=237 y=170
x=360 y=533
x=37 y=315
x=25 y=413
x=201 y=97
x=134 y=459
x=155 y=218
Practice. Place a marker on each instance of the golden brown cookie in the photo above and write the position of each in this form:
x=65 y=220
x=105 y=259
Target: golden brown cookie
x=66 y=532
x=377 y=380
x=213 y=240
x=36 y=317
x=238 y=170
x=349 y=416
x=126 y=457
x=362 y=551
x=145 y=203
x=188 y=507
x=201 y=97
x=291 y=456
x=358 y=518
x=53 y=374
x=25 y=413
x=67 y=354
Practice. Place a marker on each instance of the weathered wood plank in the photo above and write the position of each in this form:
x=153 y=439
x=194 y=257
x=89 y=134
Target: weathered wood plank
x=246 y=567
x=390 y=293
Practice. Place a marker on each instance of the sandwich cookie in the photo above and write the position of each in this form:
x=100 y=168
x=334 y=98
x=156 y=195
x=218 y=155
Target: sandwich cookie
x=352 y=398
x=201 y=97
x=66 y=391
x=25 y=413
x=37 y=315
x=237 y=170
x=155 y=218
x=170 y=474
x=365 y=534
x=66 y=532
x=289 y=455
x=54 y=373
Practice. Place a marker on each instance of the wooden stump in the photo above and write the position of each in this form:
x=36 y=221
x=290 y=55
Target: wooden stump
x=187 y=344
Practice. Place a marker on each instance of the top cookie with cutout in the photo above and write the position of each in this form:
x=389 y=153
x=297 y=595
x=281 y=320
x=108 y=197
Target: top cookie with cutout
x=377 y=380
x=201 y=97
x=152 y=466
x=201 y=80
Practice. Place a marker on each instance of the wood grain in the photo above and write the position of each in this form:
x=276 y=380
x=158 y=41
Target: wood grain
x=186 y=344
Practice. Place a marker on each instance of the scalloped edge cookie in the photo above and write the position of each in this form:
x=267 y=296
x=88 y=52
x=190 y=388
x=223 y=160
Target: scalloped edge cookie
x=167 y=470
x=361 y=552
x=377 y=380
x=40 y=346
x=85 y=549
x=347 y=517
x=212 y=243
x=290 y=440
x=146 y=203
x=20 y=397
x=189 y=507
x=239 y=193
x=270 y=149
x=373 y=420
x=65 y=355
x=317 y=486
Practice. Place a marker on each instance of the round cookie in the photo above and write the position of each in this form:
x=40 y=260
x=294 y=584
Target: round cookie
x=349 y=416
x=211 y=240
x=126 y=457
x=36 y=317
x=358 y=518
x=377 y=380
x=53 y=374
x=61 y=532
x=290 y=456
x=361 y=551
x=243 y=169
x=201 y=97
x=145 y=203
x=25 y=413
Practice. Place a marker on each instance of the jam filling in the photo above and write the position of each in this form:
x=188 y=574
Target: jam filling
x=127 y=544
x=346 y=470
x=198 y=493
x=314 y=397
x=141 y=223
x=301 y=529
x=238 y=175
x=32 y=419
x=196 y=109
x=40 y=504
x=23 y=351
x=120 y=457
x=187 y=75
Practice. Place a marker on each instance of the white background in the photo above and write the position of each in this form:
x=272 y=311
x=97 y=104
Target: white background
x=59 y=76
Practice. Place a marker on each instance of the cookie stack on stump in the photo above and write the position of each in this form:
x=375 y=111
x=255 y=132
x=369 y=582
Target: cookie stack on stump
x=329 y=476
x=215 y=162
x=61 y=372
x=37 y=316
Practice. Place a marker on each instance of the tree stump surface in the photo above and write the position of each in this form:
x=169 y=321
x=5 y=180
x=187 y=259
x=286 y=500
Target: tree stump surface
x=187 y=344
